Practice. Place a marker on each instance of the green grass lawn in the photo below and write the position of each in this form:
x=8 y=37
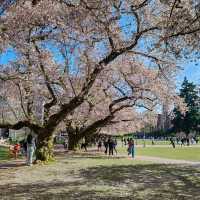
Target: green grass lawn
x=149 y=142
x=4 y=154
x=179 y=153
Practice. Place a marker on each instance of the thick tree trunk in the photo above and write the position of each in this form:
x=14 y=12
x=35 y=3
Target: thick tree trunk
x=75 y=134
x=44 y=148
x=73 y=140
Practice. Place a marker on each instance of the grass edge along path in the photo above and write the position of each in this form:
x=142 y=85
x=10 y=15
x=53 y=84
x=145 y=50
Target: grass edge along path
x=179 y=153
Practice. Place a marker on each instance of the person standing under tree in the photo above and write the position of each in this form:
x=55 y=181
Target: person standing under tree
x=30 y=149
x=114 y=145
x=110 y=146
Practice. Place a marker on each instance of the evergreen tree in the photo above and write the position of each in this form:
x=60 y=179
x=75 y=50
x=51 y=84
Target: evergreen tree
x=189 y=121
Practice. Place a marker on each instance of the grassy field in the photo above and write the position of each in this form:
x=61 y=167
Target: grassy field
x=4 y=154
x=179 y=153
x=149 y=142
x=92 y=177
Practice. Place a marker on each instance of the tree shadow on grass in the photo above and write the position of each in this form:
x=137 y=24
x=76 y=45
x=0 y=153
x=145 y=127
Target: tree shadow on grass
x=12 y=165
x=155 y=180
x=97 y=155
x=116 y=182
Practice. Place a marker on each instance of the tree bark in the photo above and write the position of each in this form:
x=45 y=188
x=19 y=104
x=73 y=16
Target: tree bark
x=44 y=147
x=73 y=140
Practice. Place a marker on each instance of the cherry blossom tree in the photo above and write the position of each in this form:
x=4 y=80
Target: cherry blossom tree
x=72 y=54
x=116 y=100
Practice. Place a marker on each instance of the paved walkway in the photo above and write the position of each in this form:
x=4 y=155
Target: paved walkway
x=152 y=159
x=22 y=162
x=166 y=160
x=157 y=160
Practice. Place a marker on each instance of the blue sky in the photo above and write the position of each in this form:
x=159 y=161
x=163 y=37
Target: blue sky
x=190 y=69
x=7 y=56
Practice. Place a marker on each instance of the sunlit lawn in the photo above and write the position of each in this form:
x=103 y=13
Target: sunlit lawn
x=180 y=153
x=149 y=142
x=4 y=154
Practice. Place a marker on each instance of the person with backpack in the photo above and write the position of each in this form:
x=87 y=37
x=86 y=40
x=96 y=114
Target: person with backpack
x=30 y=149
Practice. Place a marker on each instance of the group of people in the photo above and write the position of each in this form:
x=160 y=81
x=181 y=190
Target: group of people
x=26 y=147
x=109 y=144
x=183 y=141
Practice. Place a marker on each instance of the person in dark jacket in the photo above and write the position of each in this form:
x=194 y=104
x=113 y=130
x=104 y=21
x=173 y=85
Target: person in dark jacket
x=110 y=146
x=172 y=142
x=106 y=146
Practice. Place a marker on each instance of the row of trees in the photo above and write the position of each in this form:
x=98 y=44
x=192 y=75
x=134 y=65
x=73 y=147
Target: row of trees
x=91 y=64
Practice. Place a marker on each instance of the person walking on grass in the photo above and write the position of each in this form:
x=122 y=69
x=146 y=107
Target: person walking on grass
x=30 y=149
x=115 y=145
x=110 y=146
x=182 y=142
x=99 y=145
x=106 y=146
x=131 y=148
x=172 y=142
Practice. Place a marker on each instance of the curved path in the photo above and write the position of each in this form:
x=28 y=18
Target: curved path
x=157 y=160
x=165 y=160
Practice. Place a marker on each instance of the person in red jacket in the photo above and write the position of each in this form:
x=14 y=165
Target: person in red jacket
x=16 y=150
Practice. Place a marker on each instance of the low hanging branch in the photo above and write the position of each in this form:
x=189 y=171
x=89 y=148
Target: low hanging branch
x=21 y=124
